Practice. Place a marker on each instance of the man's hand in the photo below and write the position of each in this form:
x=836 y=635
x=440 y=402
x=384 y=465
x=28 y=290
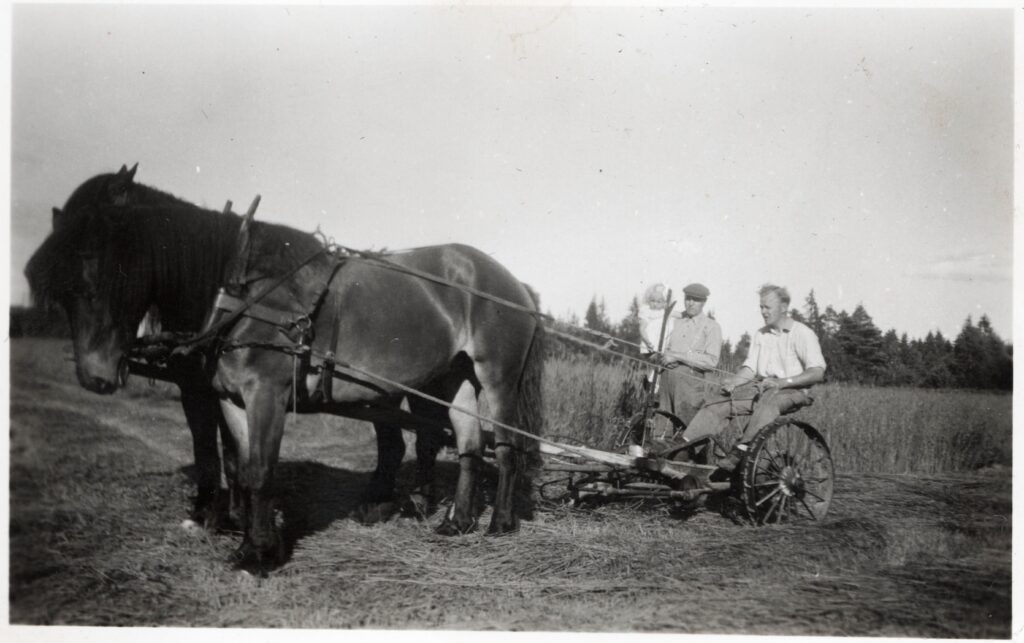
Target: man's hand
x=730 y=384
x=773 y=383
x=665 y=361
x=740 y=378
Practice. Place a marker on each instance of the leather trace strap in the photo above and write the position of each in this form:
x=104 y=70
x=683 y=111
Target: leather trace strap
x=325 y=391
x=220 y=319
x=227 y=302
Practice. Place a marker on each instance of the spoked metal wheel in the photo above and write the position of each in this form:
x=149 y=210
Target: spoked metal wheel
x=788 y=474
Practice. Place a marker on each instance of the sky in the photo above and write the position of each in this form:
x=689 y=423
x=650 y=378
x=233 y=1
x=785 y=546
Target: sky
x=866 y=154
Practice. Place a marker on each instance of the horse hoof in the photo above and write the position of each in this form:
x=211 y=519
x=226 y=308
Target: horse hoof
x=246 y=576
x=257 y=562
x=451 y=528
x=371 y=513
x=417 y=506
x=191 y=526
x=213 y=522
x=499 y=527
x=246 y=560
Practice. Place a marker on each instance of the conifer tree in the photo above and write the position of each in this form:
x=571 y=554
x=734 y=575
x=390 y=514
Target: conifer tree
x=742 y=349
x=861 y=344
x=595 y=318
x=812 y=315
x=629 y=327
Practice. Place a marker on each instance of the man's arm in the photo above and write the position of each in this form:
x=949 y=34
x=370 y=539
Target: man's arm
x=809 y=377
x=704 y=357
x=741 y=377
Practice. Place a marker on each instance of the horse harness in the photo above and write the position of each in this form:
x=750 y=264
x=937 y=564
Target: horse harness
x=230 y=305
x=297 y=327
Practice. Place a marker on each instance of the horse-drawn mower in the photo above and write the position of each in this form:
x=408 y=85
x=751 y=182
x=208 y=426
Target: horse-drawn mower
x=787 y=474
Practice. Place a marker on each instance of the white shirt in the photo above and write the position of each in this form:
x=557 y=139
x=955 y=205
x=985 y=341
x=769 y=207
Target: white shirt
x=650 y=327
x=784 y=353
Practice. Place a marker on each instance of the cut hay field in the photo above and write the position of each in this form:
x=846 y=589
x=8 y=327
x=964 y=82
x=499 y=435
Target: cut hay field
x=918 y=543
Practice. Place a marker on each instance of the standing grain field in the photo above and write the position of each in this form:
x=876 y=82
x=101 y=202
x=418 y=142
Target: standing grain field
x=917 y=543
x=878 y=430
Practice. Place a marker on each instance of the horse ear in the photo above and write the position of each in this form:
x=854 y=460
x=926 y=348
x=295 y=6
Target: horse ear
x=58 y=219
x=126 y=173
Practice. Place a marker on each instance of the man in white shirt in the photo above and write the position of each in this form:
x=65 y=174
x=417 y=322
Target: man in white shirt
x=784 y=361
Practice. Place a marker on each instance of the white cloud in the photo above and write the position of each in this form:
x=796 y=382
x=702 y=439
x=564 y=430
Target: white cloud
x=971 y=266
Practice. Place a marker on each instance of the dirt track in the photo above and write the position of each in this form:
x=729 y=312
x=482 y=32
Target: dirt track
x=99 y=486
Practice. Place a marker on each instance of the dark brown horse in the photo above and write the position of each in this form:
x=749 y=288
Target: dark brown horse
x=200 y=403
x=107 y=266
x=178 y=314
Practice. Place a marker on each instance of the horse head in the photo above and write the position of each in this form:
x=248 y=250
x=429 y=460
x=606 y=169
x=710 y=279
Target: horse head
x=86 y=266
x=117 y=188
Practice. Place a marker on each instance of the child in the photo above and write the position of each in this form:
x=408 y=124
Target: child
x=652 y=312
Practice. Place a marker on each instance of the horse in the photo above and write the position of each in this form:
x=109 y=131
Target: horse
x=437 y=336
x=198 y=399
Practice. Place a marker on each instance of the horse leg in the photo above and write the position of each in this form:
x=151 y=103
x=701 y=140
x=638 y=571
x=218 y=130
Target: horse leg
x=462 y=516
x=202 y=413
x=257 y=431
x=506 y=456
x=378 y=502
x=514 y=401
x=504 y=518
x=229 y=451
x=429 y=439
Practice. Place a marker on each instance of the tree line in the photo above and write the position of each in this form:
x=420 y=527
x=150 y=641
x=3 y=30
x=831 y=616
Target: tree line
x=857 y=351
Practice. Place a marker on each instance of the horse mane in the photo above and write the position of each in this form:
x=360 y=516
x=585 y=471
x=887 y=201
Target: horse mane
x=49 y=271
x=170 y=255
x=148 y=195
x=277 y=248
x=187 y=250
x=98 y=191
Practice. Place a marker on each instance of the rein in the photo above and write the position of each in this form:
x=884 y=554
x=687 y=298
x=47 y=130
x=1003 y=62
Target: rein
x=374 y=259
x=247 y=307
x=299 y=350
x=236 y=307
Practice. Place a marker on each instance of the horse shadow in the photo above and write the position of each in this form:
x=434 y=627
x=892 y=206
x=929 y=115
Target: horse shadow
x=311 y=496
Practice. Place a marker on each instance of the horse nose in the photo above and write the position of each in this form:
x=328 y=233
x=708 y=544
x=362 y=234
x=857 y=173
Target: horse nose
x=106 y=387
x=96 y=384
x=98 y=373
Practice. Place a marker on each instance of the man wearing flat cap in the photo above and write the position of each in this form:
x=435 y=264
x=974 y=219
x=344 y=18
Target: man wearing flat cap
x=691 y=350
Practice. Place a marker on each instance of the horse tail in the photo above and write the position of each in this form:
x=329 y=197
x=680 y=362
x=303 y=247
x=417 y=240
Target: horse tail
x=529 y=416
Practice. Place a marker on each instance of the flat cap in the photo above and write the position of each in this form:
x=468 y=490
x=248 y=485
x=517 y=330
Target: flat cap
x=697 y=291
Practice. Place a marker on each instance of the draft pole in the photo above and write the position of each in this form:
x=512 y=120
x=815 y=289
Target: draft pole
x=652 y=399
